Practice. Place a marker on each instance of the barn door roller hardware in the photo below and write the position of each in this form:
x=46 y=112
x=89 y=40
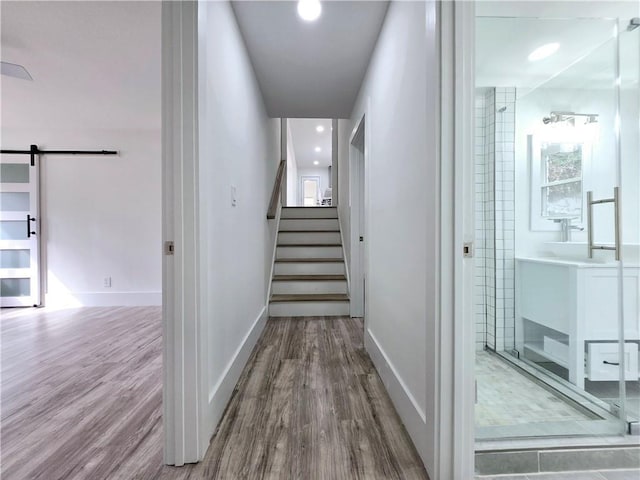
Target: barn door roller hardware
x=34 y=150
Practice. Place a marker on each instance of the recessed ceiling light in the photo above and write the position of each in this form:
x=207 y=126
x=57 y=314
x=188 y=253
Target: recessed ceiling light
x=316 y=162
x=319 y=129
x=309 y=10
x=318 y=149
x=543 y=52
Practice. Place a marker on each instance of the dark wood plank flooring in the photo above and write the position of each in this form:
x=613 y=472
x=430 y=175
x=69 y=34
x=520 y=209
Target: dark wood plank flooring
x=81 y=399
x=310 y=405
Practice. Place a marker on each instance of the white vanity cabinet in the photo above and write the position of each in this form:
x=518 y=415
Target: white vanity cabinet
x=567 y=313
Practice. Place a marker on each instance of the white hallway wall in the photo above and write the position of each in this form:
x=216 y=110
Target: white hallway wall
x=101 y=214
x=400 y=108
x=239 y=146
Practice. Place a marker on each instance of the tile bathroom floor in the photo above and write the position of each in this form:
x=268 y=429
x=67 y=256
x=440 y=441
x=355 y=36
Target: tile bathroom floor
x=599 y=475
x=610 y=393
x=508 y=397
x=509 y=400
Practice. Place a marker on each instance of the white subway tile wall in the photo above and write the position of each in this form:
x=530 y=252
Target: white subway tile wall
x=495 y=226
x=504 y=216
x=480 y=253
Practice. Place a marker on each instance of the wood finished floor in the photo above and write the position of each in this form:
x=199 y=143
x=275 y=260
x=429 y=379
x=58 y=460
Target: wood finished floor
x=81 y=393
x=81 y=399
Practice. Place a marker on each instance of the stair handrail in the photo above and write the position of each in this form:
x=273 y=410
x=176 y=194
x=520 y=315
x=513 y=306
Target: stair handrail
x=275 y=194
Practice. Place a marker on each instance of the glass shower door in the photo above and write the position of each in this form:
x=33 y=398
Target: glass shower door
x=548 y=104
x=629 y=86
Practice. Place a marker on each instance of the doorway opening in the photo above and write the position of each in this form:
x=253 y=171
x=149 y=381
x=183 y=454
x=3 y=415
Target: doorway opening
x=309 y=162
x=556 y=346
x=310 y=190
x=358 y=237
x=556 y=253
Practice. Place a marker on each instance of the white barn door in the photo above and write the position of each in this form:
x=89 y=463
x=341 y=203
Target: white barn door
x=19 y=232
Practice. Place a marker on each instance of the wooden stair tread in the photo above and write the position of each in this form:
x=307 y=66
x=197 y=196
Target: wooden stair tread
x=327 y=207
x=309 y=260
x=308 y=231
x=302 y=278
x=309 y=245
x=319 y=297
x=323 y=216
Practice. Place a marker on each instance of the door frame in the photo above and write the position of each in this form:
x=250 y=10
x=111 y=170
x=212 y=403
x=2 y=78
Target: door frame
x=357 y=193
x=184 y=356
x=301 y=187
x=186 y=419
x=456 y=357
x=335 y=158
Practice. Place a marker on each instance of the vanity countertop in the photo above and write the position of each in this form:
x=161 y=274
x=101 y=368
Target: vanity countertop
x=574 y=263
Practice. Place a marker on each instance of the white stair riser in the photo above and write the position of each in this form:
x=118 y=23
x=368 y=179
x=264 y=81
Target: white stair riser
x=328 y=268
x=313 y=212
x=309 y=252
x=308 y=309
x=308 y=224
x=293 y=287
x=317 y=237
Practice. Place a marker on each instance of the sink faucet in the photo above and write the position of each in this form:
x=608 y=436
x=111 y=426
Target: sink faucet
x=566 y=227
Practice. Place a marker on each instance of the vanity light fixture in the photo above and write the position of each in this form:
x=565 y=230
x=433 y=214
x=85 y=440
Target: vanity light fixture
x=543 y=52
x=319 y=129
x=571 y=127
x=570 y=118
x=309 y=10
x=317 y=149
x=316 y=162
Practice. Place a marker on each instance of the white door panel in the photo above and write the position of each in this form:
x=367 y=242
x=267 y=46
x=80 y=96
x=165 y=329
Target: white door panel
x=19 y=232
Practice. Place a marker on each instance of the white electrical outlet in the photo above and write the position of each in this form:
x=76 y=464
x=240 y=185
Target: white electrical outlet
x=107 y=282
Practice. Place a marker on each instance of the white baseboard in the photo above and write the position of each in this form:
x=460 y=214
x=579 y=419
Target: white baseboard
x=103 y=299
x=220 y=393
x=412 y=416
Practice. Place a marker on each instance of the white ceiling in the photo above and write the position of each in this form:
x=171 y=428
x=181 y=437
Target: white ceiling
x=558 y=8
x=84 y=57
x=310 y=70
x=507 y=32
x=305 y=139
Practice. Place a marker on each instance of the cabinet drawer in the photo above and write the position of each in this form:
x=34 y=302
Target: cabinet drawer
x=602 y=361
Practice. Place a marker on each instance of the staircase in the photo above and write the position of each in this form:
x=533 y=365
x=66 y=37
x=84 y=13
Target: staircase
x=309 y=273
